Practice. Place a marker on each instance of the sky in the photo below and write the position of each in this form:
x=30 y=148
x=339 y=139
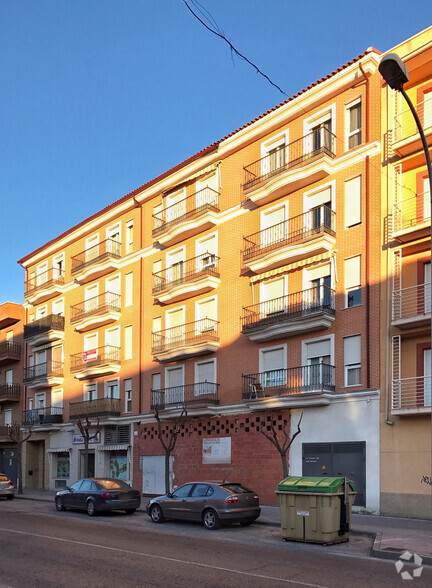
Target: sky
x=97 y=97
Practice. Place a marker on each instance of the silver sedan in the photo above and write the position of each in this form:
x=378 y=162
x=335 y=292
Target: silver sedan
x=7 y=487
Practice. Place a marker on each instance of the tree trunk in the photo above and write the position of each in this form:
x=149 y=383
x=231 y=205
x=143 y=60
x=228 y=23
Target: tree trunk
x=19 y=468
x=284 y=465
x=167 y=473
x=86 y=459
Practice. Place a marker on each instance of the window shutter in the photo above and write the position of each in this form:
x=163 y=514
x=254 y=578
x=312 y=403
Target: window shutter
x=353 y=202
x=352 y=350
x=352 y=272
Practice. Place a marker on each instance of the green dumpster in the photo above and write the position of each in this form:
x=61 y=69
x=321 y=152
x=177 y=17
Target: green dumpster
x=316 y=509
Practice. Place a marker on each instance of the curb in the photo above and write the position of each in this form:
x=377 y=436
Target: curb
x=379 y=553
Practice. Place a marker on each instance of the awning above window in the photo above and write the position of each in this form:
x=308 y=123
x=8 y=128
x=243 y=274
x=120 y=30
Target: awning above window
x=59 y=449
x=120 y=447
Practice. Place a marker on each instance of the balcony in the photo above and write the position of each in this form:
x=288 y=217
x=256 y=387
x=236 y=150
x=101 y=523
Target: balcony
x=46 y=415
x=96 y=261
x=411 y=395
x=406 y=139
x=197 y=395
x=412 y=306
x=9 y=351
x=101 y=407
x=96 y=312
x=43 y=375
x=10 y=392
x=290 y=168
x=7 y=432
x=185 y=279
x=94 y=363
x=44 y=286
x=293 y=314
x=186 y=218
x=44 y=330
x=294 y=384
x=196 y=338
x=412 y=218
x=299 y=237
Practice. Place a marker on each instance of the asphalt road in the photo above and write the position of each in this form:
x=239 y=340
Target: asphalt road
x=44 y=548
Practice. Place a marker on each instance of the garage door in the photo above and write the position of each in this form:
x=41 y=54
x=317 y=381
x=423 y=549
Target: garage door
x=338 y=459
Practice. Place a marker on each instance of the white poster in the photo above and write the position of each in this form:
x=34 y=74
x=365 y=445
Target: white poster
x=216 y=450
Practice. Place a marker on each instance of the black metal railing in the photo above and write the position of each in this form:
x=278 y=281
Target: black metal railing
x=106 y=302
x=283 y=382
x=102 y=356
x=44 y=370
x=10 y=350
x=8 y=433
x=10 y=392
x=205 y=199
x=314 y=222
x=43 y=416
x=52 y=322
x=200 y=394
x=108 y=249
x=204 y=330
x=301 y=304
x=47 y=279
x=97 y=407
x=186 y=271
x=319 y=142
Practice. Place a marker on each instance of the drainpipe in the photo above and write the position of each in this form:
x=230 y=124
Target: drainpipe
x=140 y=309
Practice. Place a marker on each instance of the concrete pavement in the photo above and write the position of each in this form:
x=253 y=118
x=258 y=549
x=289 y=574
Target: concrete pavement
x=392 y=535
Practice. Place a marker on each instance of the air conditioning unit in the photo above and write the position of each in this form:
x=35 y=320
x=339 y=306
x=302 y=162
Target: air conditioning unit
x=209 y=262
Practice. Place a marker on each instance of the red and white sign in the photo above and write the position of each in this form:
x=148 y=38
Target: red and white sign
x=89 y=355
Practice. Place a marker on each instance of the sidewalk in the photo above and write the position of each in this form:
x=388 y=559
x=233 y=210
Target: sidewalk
x=392 y=535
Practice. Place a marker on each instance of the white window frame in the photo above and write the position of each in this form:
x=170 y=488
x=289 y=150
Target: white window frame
x=203 y=391
x=114 y=230
x=306 y=342
x=357 y=286
x=319 y=118
x=59 y=258
x=308 y=196
x=348 y=133
x=41 y=311
x=129 y=236
x=347 y=204
x=88 y=338
x=59 y=392
x=41 y=270
x=272 y=143
x=128 y=288
x=263 y=350
x=128 y=394
x=351 y=366
x=168 y=313
x=172 y=368
x=86 y=390
x=107 y=384
x=58 y=301
x=116 y=279
x=130 y=327
x=206 y=262
x=7 y=416
x=113 y=330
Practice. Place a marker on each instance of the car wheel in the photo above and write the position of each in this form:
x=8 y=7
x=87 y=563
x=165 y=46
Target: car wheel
x=130 y=510
x=91 y=508
x=156 y=514
x=59 y=503
x=211 y=520
x=10 y=497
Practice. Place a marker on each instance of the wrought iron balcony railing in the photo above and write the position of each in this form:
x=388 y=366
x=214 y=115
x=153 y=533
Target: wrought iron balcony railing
x=43 y=416
x=10 y=392
x=203 y=331
x=200 y=394
x=108 y=249
x=52 y=322
x=8 y=433
x=411 y=302
x=405 y=125
x=411 y=212
x=411 y=393
x=10 y=350
x=47 y=279
x=186 y=271
x=292 y=306
x=290 y=232
x=107 y=302
x=47 y=369
x=205 y=199
x=283 y=382
x=102 y=356
x=295 y=154
x=97 y=407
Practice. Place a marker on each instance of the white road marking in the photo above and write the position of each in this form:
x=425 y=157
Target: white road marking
x=170 y=559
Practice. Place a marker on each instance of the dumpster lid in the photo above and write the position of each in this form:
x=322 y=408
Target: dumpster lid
x=321 y=484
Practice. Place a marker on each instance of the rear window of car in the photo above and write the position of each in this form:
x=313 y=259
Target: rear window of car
x=4 y=478
x=235 y=488
x=113 y=484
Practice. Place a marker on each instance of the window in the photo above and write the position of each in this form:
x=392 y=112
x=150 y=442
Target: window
x=274 y=229
x=205 y=377
x=318 y=373
x=272 y=363
x=112 y=339
x=8 y=416
x=272 y=300
x=206 y=315
x=128 y=289
x=58 y=266
x=63 y=465
x=352 y=359
x=175 y=264
x=90 y=342
x=353 y=281
x=319 y=205
x=353 y=125
x=206 y=251
x=42 y=274
x=156 y=381
x=90 y=391
x=57 y=401
x=318 y=131
x=129 y=237
x=41 y=312
x=9 y=377
x=58 y=307
x=128 y=394
x=91 y=300
x=174 y=381
x=92 y=248
x=9 y=336
x=353 y=202
x=128 y=342
x=183 y=491
x=112 y=389
x=274 y=154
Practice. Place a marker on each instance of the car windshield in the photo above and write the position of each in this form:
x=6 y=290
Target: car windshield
x=235 y=488
x=113 y=484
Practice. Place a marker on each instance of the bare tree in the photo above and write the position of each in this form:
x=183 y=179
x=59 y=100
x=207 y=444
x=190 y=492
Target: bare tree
x=84 y=428
x=19 y=437
x=168 y=439
x=268 y=428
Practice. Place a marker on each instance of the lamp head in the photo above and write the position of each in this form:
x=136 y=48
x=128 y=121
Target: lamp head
x=394 y=71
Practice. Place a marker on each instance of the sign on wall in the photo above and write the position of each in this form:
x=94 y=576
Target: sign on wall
x=216 y=450
x=80 y=439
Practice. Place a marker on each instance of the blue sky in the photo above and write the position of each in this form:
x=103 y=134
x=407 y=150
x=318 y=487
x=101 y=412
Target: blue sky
x=99 y=96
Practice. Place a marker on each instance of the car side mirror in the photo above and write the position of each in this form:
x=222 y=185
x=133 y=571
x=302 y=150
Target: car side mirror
x=170 y=494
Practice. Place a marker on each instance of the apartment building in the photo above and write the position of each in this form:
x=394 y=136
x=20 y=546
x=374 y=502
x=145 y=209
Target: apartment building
x=11 y=389
x=239 y=289
x=406 y=293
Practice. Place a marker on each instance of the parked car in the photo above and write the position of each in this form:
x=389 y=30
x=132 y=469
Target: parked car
x=98 y=494
x=211 y=503
x=7 y=487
